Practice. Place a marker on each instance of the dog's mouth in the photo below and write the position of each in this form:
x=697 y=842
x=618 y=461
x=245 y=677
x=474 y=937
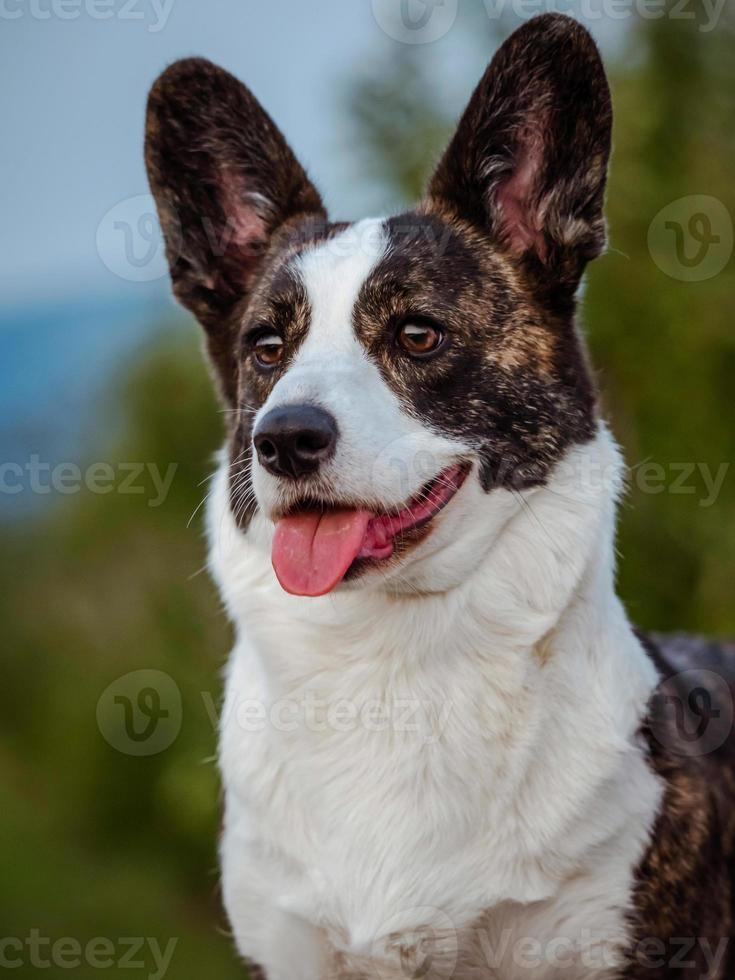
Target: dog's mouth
x=314 y=547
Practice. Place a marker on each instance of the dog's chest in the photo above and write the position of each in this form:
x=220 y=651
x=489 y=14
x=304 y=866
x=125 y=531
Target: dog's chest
x=379 y=808
x=375 y=797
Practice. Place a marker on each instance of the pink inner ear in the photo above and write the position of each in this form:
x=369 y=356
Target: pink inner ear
x=245 y=215
x=521 y=216
x=247 y=226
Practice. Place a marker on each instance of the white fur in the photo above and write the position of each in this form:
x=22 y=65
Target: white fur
x=516 y=803
x=383 y=455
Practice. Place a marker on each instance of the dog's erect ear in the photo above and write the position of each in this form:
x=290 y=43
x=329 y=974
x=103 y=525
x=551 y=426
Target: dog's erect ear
x=224 y=180
x=528 y=162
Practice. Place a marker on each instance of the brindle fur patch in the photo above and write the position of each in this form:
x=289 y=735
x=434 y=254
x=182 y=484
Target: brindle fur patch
x=528 y=162
x=684 y=893
x=512 y=379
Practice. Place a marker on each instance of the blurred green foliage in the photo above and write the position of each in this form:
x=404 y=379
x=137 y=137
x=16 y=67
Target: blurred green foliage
x=99 y=843
x=665 y=348
x=96 y=842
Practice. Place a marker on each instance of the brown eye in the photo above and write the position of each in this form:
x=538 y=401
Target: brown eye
x=419 y=339
x=268 y=349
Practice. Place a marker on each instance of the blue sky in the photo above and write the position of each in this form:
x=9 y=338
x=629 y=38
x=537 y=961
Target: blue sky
x=79 y=71
x=72 y=132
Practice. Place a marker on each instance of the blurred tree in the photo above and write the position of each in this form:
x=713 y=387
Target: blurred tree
x=666 y=348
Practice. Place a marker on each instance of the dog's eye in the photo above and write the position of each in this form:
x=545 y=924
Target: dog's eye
x=419 y=339
x=268 y=349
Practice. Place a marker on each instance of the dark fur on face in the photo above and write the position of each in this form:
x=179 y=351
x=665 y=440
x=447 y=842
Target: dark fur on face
x=494 y=254
x=512 y=380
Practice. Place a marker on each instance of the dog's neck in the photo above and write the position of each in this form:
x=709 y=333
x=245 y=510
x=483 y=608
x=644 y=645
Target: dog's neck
x=536 y=615
x=540 y=576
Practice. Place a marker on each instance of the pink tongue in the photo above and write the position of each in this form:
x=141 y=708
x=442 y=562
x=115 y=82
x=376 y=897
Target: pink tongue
x=313 y=550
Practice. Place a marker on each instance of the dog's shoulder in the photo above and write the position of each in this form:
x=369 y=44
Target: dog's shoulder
x=685 y=882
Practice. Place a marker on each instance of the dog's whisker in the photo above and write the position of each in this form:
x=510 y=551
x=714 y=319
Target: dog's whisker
x=199 y=506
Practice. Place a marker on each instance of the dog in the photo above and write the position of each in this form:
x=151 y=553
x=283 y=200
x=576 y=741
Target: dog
x=445 y=750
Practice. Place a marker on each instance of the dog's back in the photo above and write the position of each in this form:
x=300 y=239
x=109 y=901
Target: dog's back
x=686 y=881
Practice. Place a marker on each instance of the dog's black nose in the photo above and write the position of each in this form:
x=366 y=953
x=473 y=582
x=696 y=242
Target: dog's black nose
x=294 y=440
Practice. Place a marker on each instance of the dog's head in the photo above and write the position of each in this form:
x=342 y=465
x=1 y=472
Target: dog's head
x=376 y=371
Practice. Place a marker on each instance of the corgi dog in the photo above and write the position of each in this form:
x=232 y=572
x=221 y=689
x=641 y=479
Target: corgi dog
x=446 y=753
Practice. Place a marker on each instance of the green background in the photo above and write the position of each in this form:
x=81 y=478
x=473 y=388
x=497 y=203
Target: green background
x=99 y=843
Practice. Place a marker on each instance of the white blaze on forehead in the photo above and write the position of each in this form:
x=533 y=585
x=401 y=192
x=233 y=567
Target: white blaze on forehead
x=333 y=274
x=384 y=453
